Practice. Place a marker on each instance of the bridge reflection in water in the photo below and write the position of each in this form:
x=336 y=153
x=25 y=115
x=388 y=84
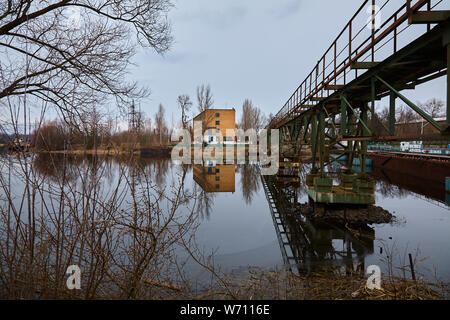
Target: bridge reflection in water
x=307 y=246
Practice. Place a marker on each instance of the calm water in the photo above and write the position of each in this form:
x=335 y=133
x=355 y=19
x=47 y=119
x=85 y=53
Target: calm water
x=236 y=223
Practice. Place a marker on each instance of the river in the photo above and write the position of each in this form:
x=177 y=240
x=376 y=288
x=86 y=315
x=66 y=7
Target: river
x=228 y=215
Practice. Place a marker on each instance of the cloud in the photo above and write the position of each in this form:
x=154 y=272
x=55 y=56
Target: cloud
x=220 y=18
x=285 y=9
x=176 y=57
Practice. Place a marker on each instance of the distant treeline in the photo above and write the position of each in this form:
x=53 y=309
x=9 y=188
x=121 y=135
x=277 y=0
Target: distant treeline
x=98 y=131
x=57 y=135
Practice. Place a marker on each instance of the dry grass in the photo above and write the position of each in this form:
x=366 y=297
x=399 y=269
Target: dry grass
x=326 y=286
x=402 y=290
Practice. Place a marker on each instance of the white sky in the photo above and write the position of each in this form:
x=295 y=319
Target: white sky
x=256 y=49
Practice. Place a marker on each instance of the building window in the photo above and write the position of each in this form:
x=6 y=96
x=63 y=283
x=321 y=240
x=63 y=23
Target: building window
x=217 y=178
x=217 y=115
x=217 y=186
x=217 y=123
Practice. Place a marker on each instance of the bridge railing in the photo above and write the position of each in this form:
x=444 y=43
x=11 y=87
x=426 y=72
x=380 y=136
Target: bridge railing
x=376 y=31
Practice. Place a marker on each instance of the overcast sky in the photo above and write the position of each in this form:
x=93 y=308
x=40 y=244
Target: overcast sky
x=256 y=49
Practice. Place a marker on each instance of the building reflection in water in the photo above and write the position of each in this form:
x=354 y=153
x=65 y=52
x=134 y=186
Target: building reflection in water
x=307 y=246
x=214 y=178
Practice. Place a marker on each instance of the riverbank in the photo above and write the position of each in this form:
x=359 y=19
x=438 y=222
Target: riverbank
x=113 y=151
x=100 y=152
x=284 y=285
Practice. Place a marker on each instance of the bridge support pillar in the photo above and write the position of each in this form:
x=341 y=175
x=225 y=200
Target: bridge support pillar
x=314 y=142
x=446 y=43
x=372 y=106
x=322 y=151
x=448 y=81
x=343 y=117
x=364 y=144
x=354 y=190
x=392 y=114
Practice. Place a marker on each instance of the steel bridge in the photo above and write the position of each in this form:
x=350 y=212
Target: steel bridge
x=333 y=109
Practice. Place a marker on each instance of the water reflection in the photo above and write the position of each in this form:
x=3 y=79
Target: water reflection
x=106 y=211
x=218 y=178
x=215 y=178
x=398 y=185
x=117 y=219
x=250 y=181
x=307 y=246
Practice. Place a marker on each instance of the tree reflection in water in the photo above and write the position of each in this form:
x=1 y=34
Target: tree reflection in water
x=204 y=176
x=120 y=227
x=122 y=219
x=250 y=181
x=205 y=203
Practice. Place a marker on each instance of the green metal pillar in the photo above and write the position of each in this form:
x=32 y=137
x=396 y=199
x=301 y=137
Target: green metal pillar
x=322 y=140
x=314 y=142
x=333 y=123
x=364 y=144
x=417 y=109
x=343 y=116
x=392 y=114
x=446 y=43
x=448 y=80
x=306 y=123
x=350 y=144
x=372 y=108
x=282 y=140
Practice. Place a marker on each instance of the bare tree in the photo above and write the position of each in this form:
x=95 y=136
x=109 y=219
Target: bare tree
x=160 y=123
x=384 y=116
x=252 y=117
x=184 y=101
x=269 y=119
x=433 y=107
x=204 y=98
x=381 y=121
x=44 y=56
x=406 y=115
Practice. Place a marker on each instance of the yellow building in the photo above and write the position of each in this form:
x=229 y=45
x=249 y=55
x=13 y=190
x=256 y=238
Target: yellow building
x=215 y=123
x=220 y=178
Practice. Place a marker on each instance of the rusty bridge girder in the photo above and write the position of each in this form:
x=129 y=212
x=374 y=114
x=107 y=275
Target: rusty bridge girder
x=333 y=110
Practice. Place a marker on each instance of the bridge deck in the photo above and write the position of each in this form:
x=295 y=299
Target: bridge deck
x=423 y=59
x=335 y=106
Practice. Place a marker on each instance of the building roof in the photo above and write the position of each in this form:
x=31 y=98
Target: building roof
x=232 y=109
x=440 y=119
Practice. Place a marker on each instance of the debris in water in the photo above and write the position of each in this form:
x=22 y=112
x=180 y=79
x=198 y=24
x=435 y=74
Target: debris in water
x=354 y=215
